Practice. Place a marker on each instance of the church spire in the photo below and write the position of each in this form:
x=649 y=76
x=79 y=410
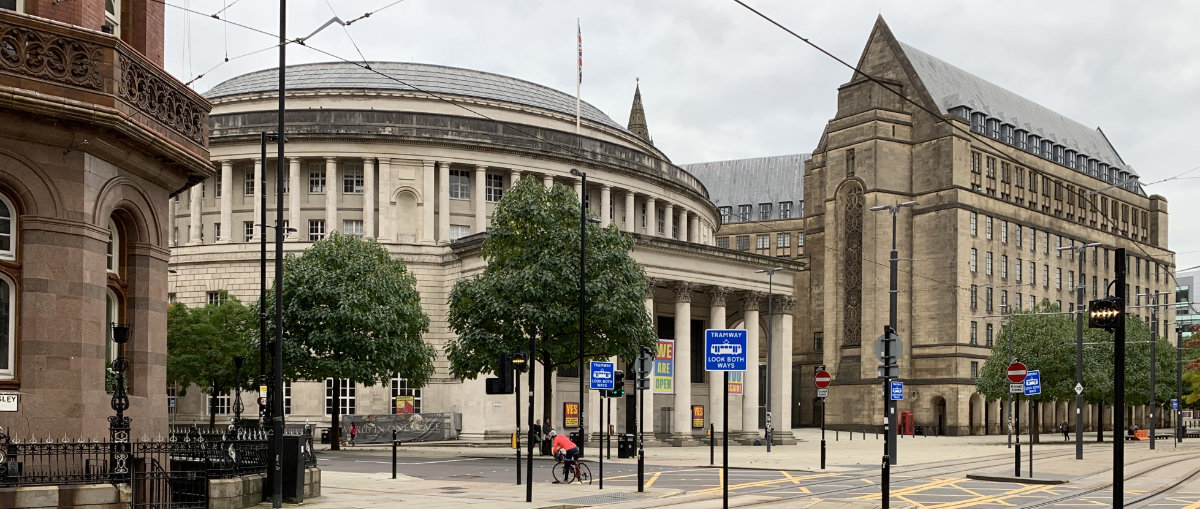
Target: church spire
x=637 y=115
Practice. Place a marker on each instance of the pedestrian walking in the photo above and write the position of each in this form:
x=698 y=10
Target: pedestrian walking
x=353 y=432
x=1063 y=427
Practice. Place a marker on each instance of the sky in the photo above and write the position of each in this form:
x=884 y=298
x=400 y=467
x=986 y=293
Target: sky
x=720 y=83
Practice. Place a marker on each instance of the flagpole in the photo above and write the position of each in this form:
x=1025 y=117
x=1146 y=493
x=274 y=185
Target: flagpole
x=579 y=74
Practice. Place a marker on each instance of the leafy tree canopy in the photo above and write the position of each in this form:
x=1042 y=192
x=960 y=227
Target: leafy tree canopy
x=202 y=342
x=530 y=288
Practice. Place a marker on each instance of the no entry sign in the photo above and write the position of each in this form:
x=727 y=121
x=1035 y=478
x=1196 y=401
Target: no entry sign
x=1016 y=372
x=822 y=379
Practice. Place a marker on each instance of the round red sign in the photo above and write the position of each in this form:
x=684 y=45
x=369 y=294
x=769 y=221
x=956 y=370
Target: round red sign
x=822 y=379
x=1016 y=372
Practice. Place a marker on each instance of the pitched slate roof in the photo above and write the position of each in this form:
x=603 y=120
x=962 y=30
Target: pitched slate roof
x=952 y=87
x=403 y=76
x=752 y=181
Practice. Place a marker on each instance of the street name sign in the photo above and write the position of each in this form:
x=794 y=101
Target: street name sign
x=725 y=350
x=1033 y=383
x=897 y=390
x=602 y=375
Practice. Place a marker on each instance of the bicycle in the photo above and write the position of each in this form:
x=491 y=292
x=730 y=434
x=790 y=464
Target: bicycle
x=565 y=474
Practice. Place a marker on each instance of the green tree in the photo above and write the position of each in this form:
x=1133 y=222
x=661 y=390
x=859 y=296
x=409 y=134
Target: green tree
x=530 y=289
x=201 y=345
x=352 y=311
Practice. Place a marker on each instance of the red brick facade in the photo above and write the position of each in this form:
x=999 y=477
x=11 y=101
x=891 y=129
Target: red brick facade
x=142 y=21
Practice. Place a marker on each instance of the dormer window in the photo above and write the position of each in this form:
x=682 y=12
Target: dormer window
x=977 y=122
x=1006 y=133
x=1022 y=139
x=1070 y=159
x=993 y=128
x=962 y=112
x=1035 y=144
x=1058 y=154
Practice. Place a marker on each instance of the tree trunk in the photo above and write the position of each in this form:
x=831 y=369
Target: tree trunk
x=212 y=406
x=548 y=395
x=335 y=433
x=1100 y=422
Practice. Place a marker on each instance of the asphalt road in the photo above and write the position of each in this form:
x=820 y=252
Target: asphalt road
x=940 y=485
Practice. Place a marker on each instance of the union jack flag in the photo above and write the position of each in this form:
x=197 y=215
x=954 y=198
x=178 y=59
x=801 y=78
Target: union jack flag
x=579 y=37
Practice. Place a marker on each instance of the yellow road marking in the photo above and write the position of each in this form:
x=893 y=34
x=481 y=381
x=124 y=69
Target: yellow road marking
x=767 y=482
x=936 y=483
x=992 y=499
x=1193 y=506
x=652 y=479
x=789 y=476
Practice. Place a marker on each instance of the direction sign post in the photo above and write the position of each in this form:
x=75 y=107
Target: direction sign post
x=822 y=379
x=1016 y=372
x=725 y=350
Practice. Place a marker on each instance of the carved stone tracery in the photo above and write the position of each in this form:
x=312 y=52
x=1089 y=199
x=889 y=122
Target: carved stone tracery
x=852 y=268
x=162 y=100
x=50 y=56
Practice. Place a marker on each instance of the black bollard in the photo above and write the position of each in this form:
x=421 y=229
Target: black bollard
x=712 y=448
x=394 y=442
x=887 y=479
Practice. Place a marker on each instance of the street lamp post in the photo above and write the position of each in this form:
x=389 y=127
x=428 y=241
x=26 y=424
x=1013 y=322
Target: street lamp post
x=893 y=305
x=582 y=297
x=238 y=361
x=1082 y=249
x=277 y=422
x=767 y=431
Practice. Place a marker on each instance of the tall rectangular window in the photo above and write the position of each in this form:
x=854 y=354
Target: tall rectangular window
x=247 y=231
x=974 y=259
x=974 y=333
x=1017 y=268
x=764 y=211
x=217 y=186
x=988 y=263
x=974 y=369
x=316 y=229
x=819 y=341
x=218 y=403
x=1004 y=266
x=1032 y=273
x=974 y=296
x=352 y=227
x=401 y=387
x=1004 y=232
x=783 y=240
x=287 y=397
x=974 y=224
x=987 y=338
x=216 y=231
x=460 y=184
x=723 y=242
x=763 y=242
x=743 y=242
x=352 y=178
x=1058 y=279
x=493 y=187
x=249 y=183
x=988 y=295
x=348 y=397
x=726 y=214
x=744 y=212
x=1046 y=276
x=316 y=179
x=785 y=210
x=989 y=227
x=458 y=231
x=1017 y=235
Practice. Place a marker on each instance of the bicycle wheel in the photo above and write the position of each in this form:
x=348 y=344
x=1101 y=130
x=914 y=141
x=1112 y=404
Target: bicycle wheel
x=585 y=474
x=561 y=475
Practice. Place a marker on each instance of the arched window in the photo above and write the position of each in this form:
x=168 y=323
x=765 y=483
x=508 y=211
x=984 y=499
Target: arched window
x=8 y=228
x=114 y=248
x=7 y=331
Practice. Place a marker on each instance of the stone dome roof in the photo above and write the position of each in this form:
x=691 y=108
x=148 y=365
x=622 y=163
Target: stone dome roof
x=405 y=77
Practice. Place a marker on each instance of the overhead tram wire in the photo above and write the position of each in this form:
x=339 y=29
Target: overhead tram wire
x=938 y=115
x=347 y=31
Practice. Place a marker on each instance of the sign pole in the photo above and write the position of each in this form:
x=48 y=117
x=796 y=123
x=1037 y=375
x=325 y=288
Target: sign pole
x=1031 y=425
x=599 y=450
x=725 y=447
x=823 y=434
x=1017 y=433
x=517 y=442
x=529 y=456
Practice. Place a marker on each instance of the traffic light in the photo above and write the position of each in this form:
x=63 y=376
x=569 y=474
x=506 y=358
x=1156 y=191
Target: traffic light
x=618 y=384
x=1105 y=313
x=504 y=383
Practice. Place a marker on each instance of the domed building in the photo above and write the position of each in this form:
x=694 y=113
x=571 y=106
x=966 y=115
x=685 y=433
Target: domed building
x=416 y=156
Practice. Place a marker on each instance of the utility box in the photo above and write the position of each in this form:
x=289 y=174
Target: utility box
x=292 y=457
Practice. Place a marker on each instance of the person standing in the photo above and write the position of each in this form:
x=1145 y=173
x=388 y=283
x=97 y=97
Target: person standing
x=537 y=432
x=547 y=431
x=1064 y=428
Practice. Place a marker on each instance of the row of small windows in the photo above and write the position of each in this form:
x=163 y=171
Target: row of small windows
x=766 y=212
x=1048 y=149
x=1082 y=204
x=1137 y=266
x=219 y=403
x=353 y=182
x=762 y=242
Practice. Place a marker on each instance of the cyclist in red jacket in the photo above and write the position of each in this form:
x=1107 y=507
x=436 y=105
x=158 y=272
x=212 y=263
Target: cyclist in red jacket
x=562 y=443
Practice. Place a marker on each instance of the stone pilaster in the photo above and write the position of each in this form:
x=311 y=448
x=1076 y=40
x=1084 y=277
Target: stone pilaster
x=332 y=190
x=227 y=202
x=443 y=231
x=716 y=381
x=369 y=197
x=479 y=200
x=295 y=191
x=750 y=388
x=630 y=211
x=681 y=422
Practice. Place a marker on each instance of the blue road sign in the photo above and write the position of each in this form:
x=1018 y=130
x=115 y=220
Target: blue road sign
x=1174 y=404
x=725 y=350
x=1033 y=382
x=601 y=375
x=897 y=390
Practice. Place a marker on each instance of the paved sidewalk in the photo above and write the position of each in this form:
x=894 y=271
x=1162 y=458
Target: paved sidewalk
x=1053 y=460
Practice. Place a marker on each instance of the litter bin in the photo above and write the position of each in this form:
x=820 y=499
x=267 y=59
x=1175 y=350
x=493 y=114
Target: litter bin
x=574 y=436
x=324 y=435
x=626 y=445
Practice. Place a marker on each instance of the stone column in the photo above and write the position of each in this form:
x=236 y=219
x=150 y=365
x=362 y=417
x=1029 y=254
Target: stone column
x=260 y=185
x=630 y=212
x=227 y=202
x=386 y=215
x=579 y=189
x=605 y=205
x=716 y=381
x=331 y=195
x=548 y=181
x=443 y=203
x=648 y=408
x=427 y=201
x=369 y=197
x=781 y=371
x=651 y=218
x=479 y=200
x=294 y=194
x=694 y=228
x=683 y=225
x=750 y=380
x=668 y=220
x=194 y=211
x=514 y=178
x=681 y=428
